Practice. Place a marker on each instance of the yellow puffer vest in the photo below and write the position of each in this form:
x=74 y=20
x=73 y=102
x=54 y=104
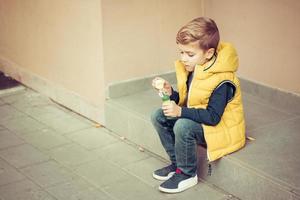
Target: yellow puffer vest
x=229 y=134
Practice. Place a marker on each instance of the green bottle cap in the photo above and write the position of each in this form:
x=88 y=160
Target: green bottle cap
x=165 y=97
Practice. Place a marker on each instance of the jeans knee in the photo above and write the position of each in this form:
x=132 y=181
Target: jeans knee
x=181 y=127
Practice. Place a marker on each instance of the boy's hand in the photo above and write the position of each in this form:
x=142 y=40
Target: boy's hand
x=171 y=109
x=166 y=86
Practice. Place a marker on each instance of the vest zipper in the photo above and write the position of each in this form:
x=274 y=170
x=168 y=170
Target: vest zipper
x=187 y=104
x=209 y=171
x=189 y=93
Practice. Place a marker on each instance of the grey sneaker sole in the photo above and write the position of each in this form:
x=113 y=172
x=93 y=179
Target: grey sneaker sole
x=183 y=185
x=162 y=178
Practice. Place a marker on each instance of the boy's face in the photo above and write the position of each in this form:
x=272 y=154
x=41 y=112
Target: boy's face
x=192 y=55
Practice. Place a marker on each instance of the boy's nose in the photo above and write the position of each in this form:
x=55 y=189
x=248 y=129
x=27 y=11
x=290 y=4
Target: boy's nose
x=184 y=58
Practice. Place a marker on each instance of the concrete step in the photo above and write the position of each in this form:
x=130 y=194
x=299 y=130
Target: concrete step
x=267 y=168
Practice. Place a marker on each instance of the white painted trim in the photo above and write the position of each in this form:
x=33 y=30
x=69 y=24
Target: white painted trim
x=54 y=91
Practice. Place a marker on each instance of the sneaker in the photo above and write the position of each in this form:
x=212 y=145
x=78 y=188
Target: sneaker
x=164 y=173
x=178 y=182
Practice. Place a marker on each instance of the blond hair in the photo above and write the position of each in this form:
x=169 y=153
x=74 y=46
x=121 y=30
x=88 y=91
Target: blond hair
x=202 y=29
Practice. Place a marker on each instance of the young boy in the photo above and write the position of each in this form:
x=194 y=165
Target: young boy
x=206 y=110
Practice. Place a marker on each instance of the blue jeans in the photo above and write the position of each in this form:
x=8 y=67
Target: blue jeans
x=179 y=137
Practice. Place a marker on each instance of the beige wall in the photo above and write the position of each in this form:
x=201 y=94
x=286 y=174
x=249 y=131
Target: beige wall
x=139 y=35
x=56 y=48
x=84 y=45
x=59 y=40
x=266 y=34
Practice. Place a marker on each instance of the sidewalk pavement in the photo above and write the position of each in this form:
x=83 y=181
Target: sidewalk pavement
x=48 y=152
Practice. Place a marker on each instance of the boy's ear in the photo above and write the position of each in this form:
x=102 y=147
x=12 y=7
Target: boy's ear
x=209 y=53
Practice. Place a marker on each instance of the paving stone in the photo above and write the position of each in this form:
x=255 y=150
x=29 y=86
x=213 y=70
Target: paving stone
x=9 y=139
x=27 y=98
x=67 y=189
x=8 y=174
x=11 y=91
x=45 y=113
x=65 y=124
x=23 y=190
x=92 y=138
x=83 y=119
x=229 y=197
x=201 y=189
x=72 y=155
x=8 y=112
x=48 y=173
x=143 y=170
x=22 y=125
x=12 y=97
x=46 y=139
x=133 y=188
x=101 y=173
x=76 y=189
x=23 y=155
x=90 y=194
x=121 y=153
x=49 y=111
x=2 y=102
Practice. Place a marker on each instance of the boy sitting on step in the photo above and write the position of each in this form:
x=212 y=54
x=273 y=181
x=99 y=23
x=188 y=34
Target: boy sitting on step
x=207 y=109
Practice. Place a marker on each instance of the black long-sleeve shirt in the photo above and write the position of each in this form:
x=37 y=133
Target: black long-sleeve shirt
x=216 y=105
